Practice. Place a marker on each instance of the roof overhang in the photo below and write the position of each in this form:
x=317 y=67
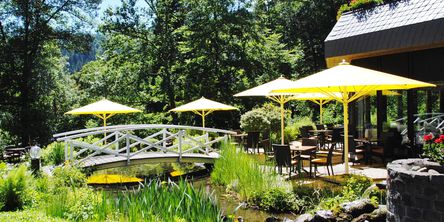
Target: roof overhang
x=414 y=37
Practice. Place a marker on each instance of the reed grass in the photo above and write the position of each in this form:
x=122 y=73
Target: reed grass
x=242 y=173
x=159 y=201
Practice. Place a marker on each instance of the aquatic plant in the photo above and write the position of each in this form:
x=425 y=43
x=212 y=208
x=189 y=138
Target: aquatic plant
x=159 y=201
x=243 y=174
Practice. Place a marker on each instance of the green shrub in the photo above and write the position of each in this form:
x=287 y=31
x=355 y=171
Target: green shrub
x=309 y=196
x=353 y=189
x=263 y=119
x=276 y=200
x=68 y=176
x=291 y=131
x=54 y=153
x=74 y=204
x=16 y=189
x=159 y=201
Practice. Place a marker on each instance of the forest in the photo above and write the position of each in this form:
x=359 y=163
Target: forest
x=153 y=56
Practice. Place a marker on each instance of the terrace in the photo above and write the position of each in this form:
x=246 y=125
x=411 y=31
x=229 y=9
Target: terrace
x=360 y=139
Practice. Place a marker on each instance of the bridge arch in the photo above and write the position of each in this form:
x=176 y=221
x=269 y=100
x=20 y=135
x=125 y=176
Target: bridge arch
x=124 y=145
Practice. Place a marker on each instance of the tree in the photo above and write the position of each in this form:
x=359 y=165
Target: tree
x=26 y=28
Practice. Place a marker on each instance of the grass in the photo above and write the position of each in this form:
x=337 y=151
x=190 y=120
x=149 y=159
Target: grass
x=159 y=201
x=243 y=174
x=28 y=215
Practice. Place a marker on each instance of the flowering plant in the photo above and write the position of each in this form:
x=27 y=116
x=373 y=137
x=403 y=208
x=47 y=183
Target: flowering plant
x=434 y=148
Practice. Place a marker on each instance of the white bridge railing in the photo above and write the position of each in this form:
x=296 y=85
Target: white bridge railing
x=426 y=122
x=122 y=141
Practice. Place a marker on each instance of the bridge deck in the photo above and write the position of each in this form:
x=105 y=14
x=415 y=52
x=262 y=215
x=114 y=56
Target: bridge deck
x=111 y=161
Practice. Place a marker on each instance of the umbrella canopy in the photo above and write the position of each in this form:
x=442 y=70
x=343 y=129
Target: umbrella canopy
x=103 y=109
x=203 y=107
x=352 y=82
x=265 y=90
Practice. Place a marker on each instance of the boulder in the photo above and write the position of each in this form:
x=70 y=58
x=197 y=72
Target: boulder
x=272 y=219
x=323 y=216
x=304 y=218
x=358 y=207
x=378 y=215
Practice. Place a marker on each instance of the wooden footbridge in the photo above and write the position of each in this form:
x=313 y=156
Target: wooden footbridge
x=125 y=145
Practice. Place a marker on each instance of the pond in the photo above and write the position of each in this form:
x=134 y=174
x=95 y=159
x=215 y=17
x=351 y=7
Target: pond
x=199 y=177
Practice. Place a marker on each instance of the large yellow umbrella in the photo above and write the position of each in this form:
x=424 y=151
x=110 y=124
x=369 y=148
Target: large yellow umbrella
x=352 y=82
x=203 y=107
x=104 y=109
x=265 y=90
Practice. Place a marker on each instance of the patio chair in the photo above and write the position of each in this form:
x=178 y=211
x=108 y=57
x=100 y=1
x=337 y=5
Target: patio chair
x=320 y=126
x=356 y=153
x=330 y=126
x=323 y=161
x=282 y=156
x=268 y=151
x=310 y=155
x=252 y=142
x=336 y=140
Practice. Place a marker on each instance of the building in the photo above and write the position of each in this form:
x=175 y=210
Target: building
x=403 y=37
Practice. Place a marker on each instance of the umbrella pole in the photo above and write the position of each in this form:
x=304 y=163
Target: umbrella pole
x=321 y=102
x=282 y=119
x=346 y=136
x=203 y=118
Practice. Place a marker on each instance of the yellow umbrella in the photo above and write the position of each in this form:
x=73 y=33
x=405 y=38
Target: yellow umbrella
x=352 y=82
x=103 y=109
x=203 y=107
x=265 y=90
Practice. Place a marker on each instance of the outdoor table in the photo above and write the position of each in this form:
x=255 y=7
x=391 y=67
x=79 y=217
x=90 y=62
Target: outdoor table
x=15 y=153
x=296 y=147
x=239 y=138
x=368 y=145
x=321 y=134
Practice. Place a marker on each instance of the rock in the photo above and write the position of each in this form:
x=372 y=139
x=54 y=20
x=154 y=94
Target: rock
x=304 y=218
x=287 y=220
x=415 y=168
x=358 y=207
x=434 y=172
x=323 y=216
x=240 y=219
x=378 y=215
x=343 y=217
x=272 y=219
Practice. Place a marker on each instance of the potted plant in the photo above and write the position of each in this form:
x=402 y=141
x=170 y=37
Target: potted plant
x=434 y=148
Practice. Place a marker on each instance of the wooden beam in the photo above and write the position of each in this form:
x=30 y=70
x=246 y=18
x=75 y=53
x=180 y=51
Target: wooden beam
x=429 y=103
x=381 y=112
x=441 y=101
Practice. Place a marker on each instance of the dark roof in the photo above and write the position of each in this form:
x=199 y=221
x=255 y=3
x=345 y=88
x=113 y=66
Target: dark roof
x=401 y=24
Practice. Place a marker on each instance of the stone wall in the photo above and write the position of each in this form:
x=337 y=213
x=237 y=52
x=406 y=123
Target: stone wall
x=415 y=191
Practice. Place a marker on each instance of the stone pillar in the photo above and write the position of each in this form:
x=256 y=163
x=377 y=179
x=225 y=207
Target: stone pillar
x=414 y=191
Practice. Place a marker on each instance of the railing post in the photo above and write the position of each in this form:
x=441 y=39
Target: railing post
x=71 y=147
x=207 y=140
x=117 y=138
x=66 y=152
x=127 y=149
x=180 y=135
x=164 y=144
